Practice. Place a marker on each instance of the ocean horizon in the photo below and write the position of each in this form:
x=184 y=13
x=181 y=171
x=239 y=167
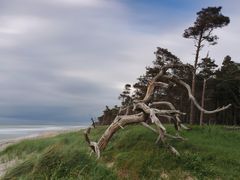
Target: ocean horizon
x=9 y=132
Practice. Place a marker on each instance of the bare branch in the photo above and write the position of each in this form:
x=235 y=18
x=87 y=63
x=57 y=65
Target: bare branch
x=155 y=120
x=93 y=123
x=175 y=137
x=148 y=110
x=91 y=144
x=176 y=80
x=177 y=121
x=149 y=127
x=154 y=81
x=161 y=84
x=120 y=121
x=173 y=150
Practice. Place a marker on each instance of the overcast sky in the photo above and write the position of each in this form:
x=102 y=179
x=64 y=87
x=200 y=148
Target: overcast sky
x=64 y=60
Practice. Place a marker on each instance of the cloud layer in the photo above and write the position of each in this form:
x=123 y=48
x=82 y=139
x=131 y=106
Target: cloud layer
x=64 y=60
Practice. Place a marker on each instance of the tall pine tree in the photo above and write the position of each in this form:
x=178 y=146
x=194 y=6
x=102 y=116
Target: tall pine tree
x=207 y=20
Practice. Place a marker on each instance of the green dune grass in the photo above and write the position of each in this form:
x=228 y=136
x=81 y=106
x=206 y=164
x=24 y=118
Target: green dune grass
x=209 y=153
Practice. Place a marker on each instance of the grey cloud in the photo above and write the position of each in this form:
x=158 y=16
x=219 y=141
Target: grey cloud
x=66 y=62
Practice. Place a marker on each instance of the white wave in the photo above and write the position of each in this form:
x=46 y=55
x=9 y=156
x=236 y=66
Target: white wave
x=31 y=131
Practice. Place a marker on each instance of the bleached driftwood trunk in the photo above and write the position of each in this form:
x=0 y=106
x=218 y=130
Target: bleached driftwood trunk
x=147 y=109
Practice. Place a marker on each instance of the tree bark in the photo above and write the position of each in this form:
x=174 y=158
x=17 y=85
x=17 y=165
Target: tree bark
x=194 y=78
x=119 y=122
x=203 y=100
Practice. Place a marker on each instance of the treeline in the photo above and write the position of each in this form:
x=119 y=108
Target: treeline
x=212 y=86
x=222 y=87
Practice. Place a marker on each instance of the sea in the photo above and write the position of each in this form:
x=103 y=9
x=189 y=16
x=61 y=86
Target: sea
x=11 y=132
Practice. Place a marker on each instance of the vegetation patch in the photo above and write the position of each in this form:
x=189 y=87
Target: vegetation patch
x=131 y=154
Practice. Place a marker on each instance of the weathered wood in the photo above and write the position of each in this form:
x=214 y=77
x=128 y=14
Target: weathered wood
x=176 y=120
x=116 y=125
x=142 y=110
x=176 y=80
x=232 y=127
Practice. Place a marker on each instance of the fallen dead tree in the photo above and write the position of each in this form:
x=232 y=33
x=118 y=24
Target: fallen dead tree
x=232 y=128
x=142 y=110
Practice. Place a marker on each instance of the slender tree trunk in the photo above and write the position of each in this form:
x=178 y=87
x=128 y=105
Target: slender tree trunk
x=203 y=99
x=192 y=105
x=234 y=116
x=194 y=78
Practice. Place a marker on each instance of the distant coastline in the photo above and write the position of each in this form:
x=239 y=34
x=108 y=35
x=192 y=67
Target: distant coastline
x=49 y=132
x=23 y=132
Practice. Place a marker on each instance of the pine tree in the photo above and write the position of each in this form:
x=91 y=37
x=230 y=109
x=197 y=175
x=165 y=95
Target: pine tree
x=163 y=57
x=228 y=88
x=125 y=96
x=207 y=70
x=207 y=20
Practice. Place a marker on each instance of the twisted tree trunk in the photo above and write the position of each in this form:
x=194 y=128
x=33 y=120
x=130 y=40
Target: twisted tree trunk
x=145 y=109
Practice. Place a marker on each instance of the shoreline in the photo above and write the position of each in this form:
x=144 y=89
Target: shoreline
x=46 y=134
x=51 y=133
x=5 y=143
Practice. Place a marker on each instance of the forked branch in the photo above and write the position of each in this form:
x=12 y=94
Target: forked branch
x=142 y=110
